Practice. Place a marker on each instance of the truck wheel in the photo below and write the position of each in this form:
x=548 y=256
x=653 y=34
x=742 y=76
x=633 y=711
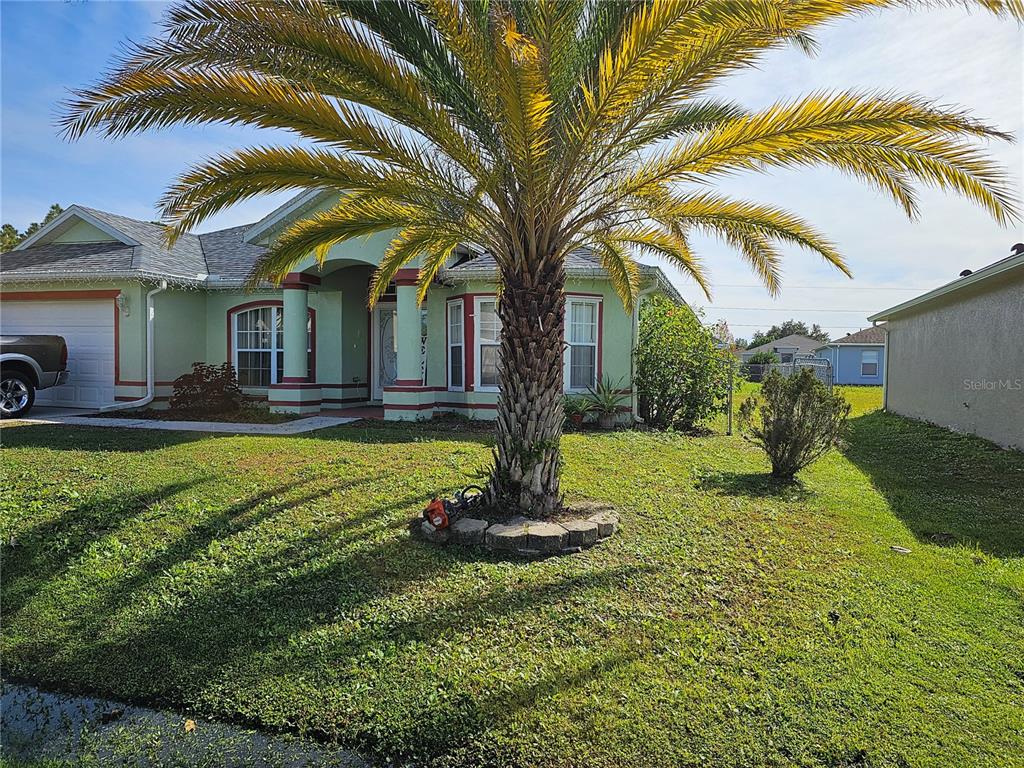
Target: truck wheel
x=17 y=393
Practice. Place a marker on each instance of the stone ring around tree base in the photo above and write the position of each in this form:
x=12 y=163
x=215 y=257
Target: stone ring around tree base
x=523 y=537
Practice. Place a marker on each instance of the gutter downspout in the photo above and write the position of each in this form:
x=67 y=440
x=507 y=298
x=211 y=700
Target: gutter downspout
x=885 y=367
x=634 y=401
x=150 y=358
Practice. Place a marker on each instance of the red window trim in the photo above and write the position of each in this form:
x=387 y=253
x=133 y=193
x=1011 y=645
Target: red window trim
x=468 y=338
x=447 y=347
x=469 y=373
x=273 y=303
x=600 y=328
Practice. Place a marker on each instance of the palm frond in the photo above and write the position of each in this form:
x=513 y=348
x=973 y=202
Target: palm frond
x=669 y=244
x=355 y=215
x=228 y=179
x=711 y=211
x=409 y=244
x=622 y=270
x=910 y=138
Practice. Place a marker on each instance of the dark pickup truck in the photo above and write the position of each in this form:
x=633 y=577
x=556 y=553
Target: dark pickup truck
x=28 y=363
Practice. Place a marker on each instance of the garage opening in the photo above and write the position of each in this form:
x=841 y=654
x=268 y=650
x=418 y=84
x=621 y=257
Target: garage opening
x=88 y=328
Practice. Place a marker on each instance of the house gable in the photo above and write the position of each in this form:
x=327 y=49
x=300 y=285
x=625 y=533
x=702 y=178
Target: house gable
x=82 y=231
x=369 y=250
x=76 y=225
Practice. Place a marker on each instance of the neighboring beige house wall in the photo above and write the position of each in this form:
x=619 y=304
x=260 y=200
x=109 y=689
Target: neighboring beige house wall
x=958 y=361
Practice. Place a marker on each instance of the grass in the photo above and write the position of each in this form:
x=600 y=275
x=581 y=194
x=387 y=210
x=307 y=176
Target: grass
x=732 y=622
x=249 y=414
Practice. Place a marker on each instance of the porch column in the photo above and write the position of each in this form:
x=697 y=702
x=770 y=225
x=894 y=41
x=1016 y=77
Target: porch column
x=295 y=393
x=408 y=329
x=406 y=399
x=296 y=314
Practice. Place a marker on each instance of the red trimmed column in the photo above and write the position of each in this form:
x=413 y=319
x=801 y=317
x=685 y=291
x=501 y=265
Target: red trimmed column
x=405 y=398
x=296 y=393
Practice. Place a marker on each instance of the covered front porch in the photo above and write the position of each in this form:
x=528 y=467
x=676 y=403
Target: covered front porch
x=402 y=357
x=337 y=354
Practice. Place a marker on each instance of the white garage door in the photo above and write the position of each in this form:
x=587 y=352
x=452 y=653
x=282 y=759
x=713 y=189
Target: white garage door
x=88 y=328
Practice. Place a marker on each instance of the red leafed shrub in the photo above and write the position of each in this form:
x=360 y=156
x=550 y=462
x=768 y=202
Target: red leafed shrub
x=207 y=389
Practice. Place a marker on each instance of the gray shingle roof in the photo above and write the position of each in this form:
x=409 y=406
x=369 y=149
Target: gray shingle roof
x=872 y=335
x=184 y=259
x=582 y=262
x=69 y=257
x=580 y=259
x=192 y=257
x=802 y=344
x=228 y=255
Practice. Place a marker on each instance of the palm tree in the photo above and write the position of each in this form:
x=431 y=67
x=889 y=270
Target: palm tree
x=528 y=128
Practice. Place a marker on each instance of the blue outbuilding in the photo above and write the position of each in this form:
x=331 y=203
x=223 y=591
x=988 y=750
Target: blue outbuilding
x=858 y=358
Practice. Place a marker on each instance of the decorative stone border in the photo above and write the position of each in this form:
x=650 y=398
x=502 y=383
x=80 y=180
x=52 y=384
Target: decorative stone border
x=524 y=537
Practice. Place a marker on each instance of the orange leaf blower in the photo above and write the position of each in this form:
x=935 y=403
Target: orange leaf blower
x=441 y=513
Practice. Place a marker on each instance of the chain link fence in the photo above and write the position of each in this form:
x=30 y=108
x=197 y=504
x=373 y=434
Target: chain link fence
x=740 y=373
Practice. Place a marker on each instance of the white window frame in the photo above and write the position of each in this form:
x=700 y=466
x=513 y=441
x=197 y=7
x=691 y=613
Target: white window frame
x=275 y=312
x=459 y=306
x=863 y=353
x=478 y=343
x=567 y=347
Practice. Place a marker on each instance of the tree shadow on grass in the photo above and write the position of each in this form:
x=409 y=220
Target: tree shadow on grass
x=44 y=550
x=949 y=489
x=313 y=604
x=74 y=438
x=754 y=485
x=391 y=432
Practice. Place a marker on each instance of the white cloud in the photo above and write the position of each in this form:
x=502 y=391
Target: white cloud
x=971 y=61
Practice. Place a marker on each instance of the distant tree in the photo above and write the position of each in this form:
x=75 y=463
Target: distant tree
x=763 y=358
x=741 y=343
x=787 y=329
x=720 y=330
x=10 y=236
x=819 y=333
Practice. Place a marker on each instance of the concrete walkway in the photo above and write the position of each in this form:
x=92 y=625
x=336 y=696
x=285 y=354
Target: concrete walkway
x=296 y=427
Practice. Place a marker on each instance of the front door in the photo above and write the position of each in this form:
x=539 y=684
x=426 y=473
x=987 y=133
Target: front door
x=384 y=350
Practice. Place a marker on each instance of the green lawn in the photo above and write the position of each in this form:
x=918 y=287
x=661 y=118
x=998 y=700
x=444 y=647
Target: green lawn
x=731 y=623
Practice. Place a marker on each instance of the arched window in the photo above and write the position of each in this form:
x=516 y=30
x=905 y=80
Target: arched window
x=257 y=340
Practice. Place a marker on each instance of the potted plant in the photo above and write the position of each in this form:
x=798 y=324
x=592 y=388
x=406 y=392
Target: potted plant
x=606 y=398
x=576 y=409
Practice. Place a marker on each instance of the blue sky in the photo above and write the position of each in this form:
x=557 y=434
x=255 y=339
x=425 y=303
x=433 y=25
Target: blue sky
x=966 y=59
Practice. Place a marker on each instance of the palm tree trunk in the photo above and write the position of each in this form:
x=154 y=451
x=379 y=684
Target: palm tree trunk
x=527 y=459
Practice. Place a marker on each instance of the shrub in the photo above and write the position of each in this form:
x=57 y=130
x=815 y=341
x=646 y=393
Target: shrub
x=796 y=420
x=763 y=358
x=681 y=377
x=207 y=389
x=755 y=368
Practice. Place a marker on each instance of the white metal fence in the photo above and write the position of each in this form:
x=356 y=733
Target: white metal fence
x=822 y=369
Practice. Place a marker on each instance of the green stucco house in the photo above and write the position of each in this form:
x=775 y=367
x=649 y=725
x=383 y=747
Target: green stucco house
x=136 y=315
